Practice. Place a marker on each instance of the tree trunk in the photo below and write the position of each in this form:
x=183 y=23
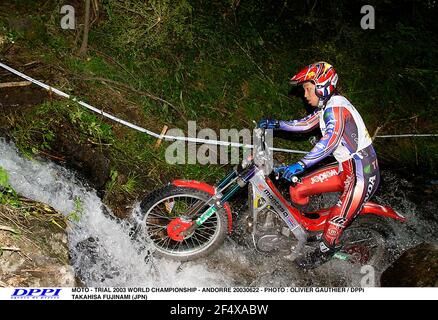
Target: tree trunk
x=84 y=46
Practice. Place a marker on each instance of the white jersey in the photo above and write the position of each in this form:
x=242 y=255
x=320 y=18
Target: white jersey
x=355 y=136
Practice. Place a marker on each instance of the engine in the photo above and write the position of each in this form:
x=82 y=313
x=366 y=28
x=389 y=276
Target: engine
x=268 y=232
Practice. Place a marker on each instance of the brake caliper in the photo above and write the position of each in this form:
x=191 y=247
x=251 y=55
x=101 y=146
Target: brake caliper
x=177 y=227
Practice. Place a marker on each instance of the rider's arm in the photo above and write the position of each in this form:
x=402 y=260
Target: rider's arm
x=303 y=125
x=334 y=121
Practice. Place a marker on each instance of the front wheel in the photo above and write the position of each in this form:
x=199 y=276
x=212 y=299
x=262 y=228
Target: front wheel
x=172 y=205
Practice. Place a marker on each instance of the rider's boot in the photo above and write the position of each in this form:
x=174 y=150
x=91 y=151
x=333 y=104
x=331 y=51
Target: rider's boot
x=316 y=258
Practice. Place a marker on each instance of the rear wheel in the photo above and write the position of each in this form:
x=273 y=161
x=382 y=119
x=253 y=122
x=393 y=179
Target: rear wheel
x=170 y=208
x=364 y=242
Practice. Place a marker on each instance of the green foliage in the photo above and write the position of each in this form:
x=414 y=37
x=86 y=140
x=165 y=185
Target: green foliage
x=130 y=185
x=9 y=197
x=7 y=193
x=112 y=182
x=226 y=63
x=33 y=132
x=4 y=179
x=77 y=213
x=147 y=25
x=6 y=36
x=36 y=131
x=90 y=125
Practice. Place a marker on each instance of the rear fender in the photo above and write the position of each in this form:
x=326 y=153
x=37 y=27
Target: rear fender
x=385 y=211
x=193 y=184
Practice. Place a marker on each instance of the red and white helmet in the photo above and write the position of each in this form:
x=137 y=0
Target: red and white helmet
x=322 y=74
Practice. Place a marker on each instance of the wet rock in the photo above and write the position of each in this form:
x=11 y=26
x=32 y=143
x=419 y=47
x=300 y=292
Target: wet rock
x=90 y=248
x=36 y=256
x=89 y=257
x=19 y=99
x=417 y=267
x=87 y=159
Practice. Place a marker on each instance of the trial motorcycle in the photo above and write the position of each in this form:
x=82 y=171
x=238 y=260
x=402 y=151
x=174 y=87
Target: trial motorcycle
x=188 y=219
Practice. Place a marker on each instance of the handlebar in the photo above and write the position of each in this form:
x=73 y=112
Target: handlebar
x=293 y=180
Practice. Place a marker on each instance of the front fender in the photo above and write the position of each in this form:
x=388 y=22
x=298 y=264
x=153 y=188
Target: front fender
x=193 y=184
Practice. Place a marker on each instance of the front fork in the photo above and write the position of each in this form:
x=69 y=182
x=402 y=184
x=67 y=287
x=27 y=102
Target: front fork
x=225 y=189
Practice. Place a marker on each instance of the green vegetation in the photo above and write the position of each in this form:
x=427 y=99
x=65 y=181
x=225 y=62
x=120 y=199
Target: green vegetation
x=224 y=64
x=4 y=180
x=28 y=209
x=35 y=131
x=130 y=185
x=8 y=196
x=77 y=213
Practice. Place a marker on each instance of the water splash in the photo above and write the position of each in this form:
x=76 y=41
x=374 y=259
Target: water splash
x=103 y=254
x=421 y=224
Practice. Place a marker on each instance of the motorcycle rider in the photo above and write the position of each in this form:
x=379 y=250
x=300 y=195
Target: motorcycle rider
x=344 y=135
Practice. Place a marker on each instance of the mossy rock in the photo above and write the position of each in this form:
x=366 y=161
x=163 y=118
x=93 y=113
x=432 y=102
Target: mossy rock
x=417 y=267
x=34 y=251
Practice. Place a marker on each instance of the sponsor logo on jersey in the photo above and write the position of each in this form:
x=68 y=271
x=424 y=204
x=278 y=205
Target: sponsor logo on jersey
x=371 y=183
x=323 y=176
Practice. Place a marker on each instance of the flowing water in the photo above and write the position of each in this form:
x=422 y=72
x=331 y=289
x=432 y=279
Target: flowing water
x=103 y=254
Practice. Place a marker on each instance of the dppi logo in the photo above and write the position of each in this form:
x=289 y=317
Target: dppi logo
x=36 y=294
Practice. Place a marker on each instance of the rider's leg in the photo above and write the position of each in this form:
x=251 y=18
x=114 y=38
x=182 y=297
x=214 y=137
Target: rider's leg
x=326 y=250
x=361 y=179
x=323 y=180
x=360 y=185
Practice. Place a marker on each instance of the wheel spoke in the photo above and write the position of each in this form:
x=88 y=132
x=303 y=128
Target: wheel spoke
x=206 y=228
x=158 y=216
x=196 y=239
x=155 y=232
x=156 y=225
x=163 y=240
x=168 y=241
x=194 y=245
x=165 y=214
x=201 y=235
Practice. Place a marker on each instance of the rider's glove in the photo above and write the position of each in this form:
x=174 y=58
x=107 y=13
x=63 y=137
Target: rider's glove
x=291 y=170
x=269 y=124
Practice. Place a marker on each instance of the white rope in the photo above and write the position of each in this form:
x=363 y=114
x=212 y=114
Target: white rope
x=407 y=135
x=167 y=137
x=133 y=126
